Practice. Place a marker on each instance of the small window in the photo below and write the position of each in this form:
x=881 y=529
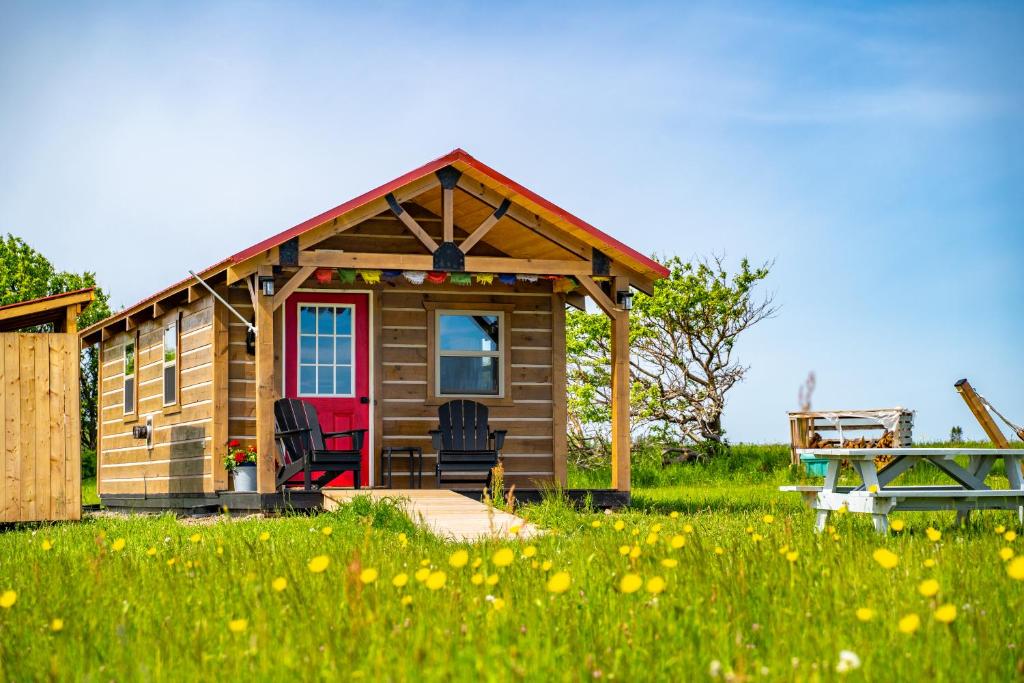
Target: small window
x=129 y=378
x=326 y=350
x=171 y=363
x=469 y=353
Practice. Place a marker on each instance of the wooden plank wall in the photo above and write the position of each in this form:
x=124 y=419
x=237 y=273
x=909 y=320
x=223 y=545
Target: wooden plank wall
x=40 y=459
x=183 y=458
x=241 y=371
x=402 y=349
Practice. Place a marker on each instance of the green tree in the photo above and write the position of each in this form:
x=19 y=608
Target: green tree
x=27 y=274
x=682 y=342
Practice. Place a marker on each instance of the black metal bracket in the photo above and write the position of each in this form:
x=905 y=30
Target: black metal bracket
x=502 y=208
x=449 y=257
x=396 y=208
x=288 y=253
x=602 y=265
x=449 y=177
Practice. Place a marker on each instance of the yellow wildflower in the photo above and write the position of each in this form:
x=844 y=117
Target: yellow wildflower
x=792 y=555
x=669 y=563
x=458 y=559
x=368 y=575
x=1010 y=536
x=756 y=538
x=678 y=541
x=929 y=563
x=47 y=544
x=327 y=531
x=477 y=579
x=1005 y=553
x=477 y=561
x=503 y=557
x=436 y=580
x=596 y=524
x=674 y=514
x=1015 y=569
x=687 y=528
x=498 y=604
x=8 y=598
x=118 y=545
x=57 y=625
x=873 y=488
x=170 y=562
x=152 y=551
x=652 y=538
x=400 y=580
x=623 y=550
x=195 y=538
x=422 y=574
x=768 y=519
x=933 y=534
x=425 y=562
x=545 y=565
x=909 y=623
x=897 y=525
x=719 y=550
x=403 y=540
x=928 y=588
x=279 y=584
x=886 y=558
x=492 y=580
x=319 y=563
x=865 y=613
x=238 y=625
x=529 y=551
x=635 y=552
x=514 y=529
x=945 y=613
x=265 y=536
x=620 y=525
x=783 y=550
x=655 y=585
x=630 y=583
x=406 y=600
x=220 y=550
x=1000 y=529
x=559 y=582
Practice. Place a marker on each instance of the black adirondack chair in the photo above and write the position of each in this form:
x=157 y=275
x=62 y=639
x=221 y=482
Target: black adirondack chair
x=466 y=447
x=301 y=443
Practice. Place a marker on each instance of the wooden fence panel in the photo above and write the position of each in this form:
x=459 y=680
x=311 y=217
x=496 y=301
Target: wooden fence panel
x=40 y=459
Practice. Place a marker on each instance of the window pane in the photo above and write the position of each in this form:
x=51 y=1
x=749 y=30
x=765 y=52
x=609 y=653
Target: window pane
x=325 y=320
x=344 y=347
x=344 y=318
x=129 y=358
x=325 y=380
x=468 y=332
x=469 y=375
x=170 y=384
x=325 y=350
x=307 y=319
x=129 y=396
x=171 y=342
x=307 y=380
x=307 y=349
x=343 y=374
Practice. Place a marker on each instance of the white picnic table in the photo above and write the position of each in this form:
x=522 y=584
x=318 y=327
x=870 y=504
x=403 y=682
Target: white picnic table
x=875 y=495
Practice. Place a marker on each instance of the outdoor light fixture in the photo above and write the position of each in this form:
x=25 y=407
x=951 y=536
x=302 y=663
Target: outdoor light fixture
x=625 y=299
x=267 y=285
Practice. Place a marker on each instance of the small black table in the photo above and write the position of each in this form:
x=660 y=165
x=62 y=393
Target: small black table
x=415 y=455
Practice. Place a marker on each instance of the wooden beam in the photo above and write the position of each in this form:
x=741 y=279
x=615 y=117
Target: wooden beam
x=448 y=214
x=981 y=414
x=559 y=417
x=195 y=293
x=598 y=295
x=329 y=258
x=266 y=469
x=410 y=224
x=252 y=287
x=576 y=300
x=621 y=441
x=220 y=389
x=484 y=227
x=158 y=309
x=296 y=280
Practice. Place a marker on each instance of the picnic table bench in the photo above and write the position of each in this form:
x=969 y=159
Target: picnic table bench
x=875 y=496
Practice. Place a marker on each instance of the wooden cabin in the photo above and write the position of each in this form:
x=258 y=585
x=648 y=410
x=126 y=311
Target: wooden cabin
x=369 y=311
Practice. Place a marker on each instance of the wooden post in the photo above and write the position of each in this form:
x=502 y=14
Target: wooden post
x=218 y=476
x=265 y=390
x=559 y=421
x=981 y=413
x=620 y=400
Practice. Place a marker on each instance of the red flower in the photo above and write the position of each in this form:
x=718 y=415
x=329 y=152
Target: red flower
x=233 y=443
x=239 y=457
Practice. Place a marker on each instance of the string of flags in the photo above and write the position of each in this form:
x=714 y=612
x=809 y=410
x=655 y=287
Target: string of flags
x=347 y=276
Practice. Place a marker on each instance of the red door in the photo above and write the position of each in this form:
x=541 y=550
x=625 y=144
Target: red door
x=327 y=361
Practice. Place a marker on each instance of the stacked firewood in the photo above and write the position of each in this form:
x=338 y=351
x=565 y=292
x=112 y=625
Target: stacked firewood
x=886 y=440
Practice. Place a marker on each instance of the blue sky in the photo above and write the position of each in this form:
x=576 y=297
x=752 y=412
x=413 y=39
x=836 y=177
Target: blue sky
x=872 y=151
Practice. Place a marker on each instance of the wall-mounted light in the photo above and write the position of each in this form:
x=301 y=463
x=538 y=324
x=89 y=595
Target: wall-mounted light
x=625 y=299
x=267 y=285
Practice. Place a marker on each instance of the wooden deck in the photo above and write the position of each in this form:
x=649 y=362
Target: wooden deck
x=445 y=513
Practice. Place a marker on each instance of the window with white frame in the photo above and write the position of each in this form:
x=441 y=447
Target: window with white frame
x=171 y=363
x=129 y=377
x=326 y=350
x=469 y=352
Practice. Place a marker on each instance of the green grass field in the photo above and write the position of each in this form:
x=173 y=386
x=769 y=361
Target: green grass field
x=730 y=582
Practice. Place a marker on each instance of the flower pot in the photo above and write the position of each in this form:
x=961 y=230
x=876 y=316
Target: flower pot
x=244 y=477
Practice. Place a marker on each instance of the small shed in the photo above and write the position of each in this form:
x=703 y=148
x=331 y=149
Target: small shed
x=40 y=449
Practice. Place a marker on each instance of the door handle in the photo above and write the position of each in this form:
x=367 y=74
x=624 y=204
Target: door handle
x=365 y=400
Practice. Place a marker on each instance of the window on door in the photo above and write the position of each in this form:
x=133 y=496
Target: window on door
x=326 y=350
